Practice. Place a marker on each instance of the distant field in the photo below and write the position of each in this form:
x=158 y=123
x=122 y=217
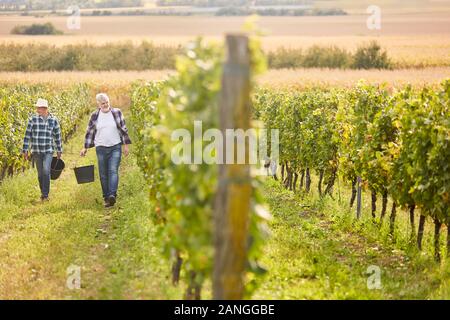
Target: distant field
x=405 y=51
x=346 y=78
x=387 y=6
x=276 y=78
x=422 y=23
x=411 y=39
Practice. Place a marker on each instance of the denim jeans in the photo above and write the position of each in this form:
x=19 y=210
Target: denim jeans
x=43 y=164
x=108 y=168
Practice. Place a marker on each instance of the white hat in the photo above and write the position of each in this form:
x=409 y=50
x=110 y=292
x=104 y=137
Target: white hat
x=42 y=103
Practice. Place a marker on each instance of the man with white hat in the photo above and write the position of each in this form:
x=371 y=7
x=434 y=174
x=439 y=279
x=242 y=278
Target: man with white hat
x=43 y=131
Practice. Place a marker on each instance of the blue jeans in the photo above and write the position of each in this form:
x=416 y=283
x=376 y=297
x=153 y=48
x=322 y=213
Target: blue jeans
x=43 y=164
x=108 y=168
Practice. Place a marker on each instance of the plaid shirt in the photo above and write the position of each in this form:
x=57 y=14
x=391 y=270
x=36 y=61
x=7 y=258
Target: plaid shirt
x=42 y=134
x=92 y=128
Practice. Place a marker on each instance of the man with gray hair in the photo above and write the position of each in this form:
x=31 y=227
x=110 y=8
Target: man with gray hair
x=42 y=131
x=107 y=132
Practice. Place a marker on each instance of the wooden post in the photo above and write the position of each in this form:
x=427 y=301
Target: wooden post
x=358 y=199
x=339 y=188
x=232 y=202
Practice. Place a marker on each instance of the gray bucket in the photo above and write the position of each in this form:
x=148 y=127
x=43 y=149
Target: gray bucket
x=84 y=174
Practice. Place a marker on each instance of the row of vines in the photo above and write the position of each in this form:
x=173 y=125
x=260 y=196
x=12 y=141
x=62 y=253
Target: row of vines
x=17 y=105
x=396 y=141
x=184 y=194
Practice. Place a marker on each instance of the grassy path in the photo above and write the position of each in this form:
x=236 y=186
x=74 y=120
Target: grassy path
x=311 y=255
x=318 y=251
x=114 y=248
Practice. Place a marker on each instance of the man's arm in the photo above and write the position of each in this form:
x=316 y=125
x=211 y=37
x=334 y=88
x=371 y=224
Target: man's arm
x=90 y=133
x=27 y=138
x=123 y=126
x=125 y=137
x=89 y=137
x=58 y=138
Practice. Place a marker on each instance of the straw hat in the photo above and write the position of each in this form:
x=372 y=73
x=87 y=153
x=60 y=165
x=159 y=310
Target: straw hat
x=42 y=103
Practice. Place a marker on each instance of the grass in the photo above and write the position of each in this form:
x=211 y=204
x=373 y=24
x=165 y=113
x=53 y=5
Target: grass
x=132 y=266
x=114 y=248
x=319 y=251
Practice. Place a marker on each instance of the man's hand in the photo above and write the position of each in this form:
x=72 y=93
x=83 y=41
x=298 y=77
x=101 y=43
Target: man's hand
x=58 y=155
x=83 y=152
x=126 y=150
x=25 y=155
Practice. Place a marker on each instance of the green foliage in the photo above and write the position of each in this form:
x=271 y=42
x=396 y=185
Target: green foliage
x=356 y=115
x=16 y=106
x=37 y=29
x=223 y=3
x=116 y=3
x=189 y=189
x=148 y=56
x=421 y=170
x=314 y=57
x=201 y=3
x=397 y=142
x=185 y=192
x=86 y=57
x=285 y=58
x=241 y=11
x=371 y=57
x=101 y=12
x=326 y=57
x=307 y=125
x=144 y=117
x=366 y=57
x=64 y=4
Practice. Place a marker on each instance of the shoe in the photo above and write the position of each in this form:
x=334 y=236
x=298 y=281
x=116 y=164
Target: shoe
x=107 y=203
x=44 y=199
x=112 y=201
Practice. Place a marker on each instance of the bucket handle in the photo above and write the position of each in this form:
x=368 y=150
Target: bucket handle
x=74 y=165
x=57 y=160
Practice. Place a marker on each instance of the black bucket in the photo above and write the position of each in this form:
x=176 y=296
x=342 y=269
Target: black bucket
x=57 y=167
x=84 y=174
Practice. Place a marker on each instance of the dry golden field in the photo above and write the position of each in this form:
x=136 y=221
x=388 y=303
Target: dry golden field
x=114 y=78
x=275 y=78
x=415 y=33
x=392 y=24
x=417 y=39
x=346 y=78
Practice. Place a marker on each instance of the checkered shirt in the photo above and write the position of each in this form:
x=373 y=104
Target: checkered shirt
x=43 y=135
x=92 y=128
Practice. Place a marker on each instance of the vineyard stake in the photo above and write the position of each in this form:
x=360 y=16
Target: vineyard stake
x=232 y=202
x=339 y=188
x=359 y=199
